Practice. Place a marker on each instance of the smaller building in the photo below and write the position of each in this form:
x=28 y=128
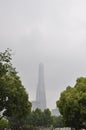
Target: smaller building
x=55 y=112
x=35 y=105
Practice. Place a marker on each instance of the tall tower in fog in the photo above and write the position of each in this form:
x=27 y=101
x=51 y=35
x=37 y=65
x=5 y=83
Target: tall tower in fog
x=40 y=94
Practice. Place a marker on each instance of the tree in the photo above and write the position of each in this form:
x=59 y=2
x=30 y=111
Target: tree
x=3 y=124
x=40 y=118
x=37 y=117
x=47 y=118
x=13 y=97
x=57 y=121
x=72 y=104
x=4 y=69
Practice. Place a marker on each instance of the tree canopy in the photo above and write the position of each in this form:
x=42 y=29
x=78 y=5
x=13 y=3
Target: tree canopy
x=72 y=104
x=14 y=103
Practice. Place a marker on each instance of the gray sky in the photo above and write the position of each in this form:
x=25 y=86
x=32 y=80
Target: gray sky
x=49 y=31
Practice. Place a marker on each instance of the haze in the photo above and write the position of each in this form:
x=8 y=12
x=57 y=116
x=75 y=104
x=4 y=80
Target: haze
x=49 y=31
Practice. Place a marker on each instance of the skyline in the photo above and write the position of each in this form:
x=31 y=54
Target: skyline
x=48 y=31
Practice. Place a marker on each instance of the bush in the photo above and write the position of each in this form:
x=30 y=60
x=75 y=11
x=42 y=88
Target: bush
x=3 y=124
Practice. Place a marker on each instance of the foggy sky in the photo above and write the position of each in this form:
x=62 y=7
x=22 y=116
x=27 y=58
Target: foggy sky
x=49 y=31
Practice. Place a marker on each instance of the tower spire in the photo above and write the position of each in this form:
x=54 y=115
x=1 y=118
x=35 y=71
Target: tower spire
x=40 y=94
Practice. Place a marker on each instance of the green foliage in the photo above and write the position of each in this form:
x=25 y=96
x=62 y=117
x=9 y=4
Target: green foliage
x=57 y=121
x=47 y=118
x=13 y=96
x=72 y=104
x=37 y=117
x=51 y=128
x=40 y=118
x=3 y=124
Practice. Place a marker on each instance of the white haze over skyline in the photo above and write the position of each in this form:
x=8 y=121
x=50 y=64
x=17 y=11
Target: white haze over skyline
x=49 y=31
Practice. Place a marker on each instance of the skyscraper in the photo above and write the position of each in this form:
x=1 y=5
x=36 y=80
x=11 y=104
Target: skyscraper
x=40 y=93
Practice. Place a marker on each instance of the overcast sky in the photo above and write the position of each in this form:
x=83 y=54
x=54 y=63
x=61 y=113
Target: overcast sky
x=49 y=31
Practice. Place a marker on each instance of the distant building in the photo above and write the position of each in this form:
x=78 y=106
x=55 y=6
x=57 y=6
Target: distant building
x=55 y=112
x=35 y=105
x=40 y=93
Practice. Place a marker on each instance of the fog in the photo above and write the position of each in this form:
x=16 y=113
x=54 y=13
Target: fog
x=48 y=31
